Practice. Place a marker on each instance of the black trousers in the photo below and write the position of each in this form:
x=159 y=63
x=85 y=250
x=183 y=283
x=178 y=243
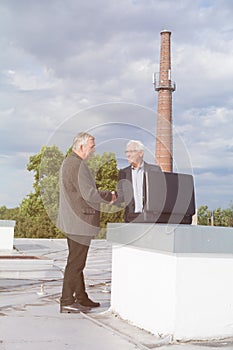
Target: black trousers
x=73 y=283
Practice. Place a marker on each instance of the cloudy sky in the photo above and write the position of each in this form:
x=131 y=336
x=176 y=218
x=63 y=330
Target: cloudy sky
x=78 y=65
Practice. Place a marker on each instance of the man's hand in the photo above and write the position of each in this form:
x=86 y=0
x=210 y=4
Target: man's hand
x=114 y=197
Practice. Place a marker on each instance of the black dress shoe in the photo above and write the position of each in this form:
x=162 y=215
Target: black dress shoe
x=74 y=308
x=89 y=303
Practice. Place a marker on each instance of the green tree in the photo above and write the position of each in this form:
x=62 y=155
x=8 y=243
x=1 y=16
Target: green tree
x=8 y=214
x=49 y=180
x=203 y=215
x=227 y=215
x=223 y=217
x=218 y=217
x=105 y=171
x=38 y=210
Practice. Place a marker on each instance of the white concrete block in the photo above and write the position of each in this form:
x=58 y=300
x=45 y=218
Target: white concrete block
x=6 y=234
x=188 y=296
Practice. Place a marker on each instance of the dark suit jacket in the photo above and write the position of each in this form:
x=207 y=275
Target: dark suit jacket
x=79 y=202
x=125 y=190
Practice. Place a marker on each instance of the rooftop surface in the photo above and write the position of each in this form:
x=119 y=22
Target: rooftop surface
x=29 y=304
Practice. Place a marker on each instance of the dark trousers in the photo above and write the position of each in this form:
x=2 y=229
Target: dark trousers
x=73 y=283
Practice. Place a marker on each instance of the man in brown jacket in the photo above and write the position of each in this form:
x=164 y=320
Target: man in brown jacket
x=78 y=218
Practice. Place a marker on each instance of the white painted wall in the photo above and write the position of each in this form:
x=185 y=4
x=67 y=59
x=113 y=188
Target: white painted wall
x=139 y=293
x=204 y=297
x=186 y=296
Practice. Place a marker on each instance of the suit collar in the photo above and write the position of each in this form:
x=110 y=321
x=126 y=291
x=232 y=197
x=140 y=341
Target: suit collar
x=73 y=154
x=141 y=166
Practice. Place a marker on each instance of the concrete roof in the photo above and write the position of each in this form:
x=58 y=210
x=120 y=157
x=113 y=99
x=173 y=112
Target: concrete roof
x=29 y=304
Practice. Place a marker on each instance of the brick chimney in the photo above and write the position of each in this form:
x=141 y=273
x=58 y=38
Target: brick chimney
x=165 y=87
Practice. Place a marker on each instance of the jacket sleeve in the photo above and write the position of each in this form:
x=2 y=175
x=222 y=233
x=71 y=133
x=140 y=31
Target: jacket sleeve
x=120 y=191
x=88 y=187
x=124 y=189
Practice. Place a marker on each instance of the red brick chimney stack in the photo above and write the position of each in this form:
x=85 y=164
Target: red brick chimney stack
x=165 y=87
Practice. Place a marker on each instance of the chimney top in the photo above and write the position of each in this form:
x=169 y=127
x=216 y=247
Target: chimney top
x=165 y=31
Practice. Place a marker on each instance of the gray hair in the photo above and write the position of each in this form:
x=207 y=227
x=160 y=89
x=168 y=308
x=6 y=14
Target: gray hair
x=138 y=145
x=81 y=139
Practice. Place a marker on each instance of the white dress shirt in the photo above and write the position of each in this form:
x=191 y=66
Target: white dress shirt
x=137 y=182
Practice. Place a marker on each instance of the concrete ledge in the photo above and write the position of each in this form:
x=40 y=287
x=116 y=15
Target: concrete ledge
x=26 y=267
x=173 y=238
x=173 y=280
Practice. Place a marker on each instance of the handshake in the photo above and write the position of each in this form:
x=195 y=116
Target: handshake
x=114 y=197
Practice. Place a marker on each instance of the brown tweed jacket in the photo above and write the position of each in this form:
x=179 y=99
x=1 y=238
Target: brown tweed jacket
x=79 y=202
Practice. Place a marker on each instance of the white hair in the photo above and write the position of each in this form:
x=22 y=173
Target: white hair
x=81 y=139
x=138 y=145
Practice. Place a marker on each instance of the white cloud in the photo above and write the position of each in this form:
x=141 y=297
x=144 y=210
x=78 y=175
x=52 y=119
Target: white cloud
x=58 y=58
x=31 y=81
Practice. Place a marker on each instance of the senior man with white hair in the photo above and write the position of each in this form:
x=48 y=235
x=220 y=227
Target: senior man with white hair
x=131 y=188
